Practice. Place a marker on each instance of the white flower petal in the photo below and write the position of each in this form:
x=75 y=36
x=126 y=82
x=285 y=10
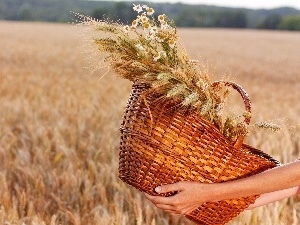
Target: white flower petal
x=126 y=28
x=137 y=8
x=150 y=11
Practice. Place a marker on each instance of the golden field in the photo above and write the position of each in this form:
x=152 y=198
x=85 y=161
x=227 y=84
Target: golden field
x=59 y=125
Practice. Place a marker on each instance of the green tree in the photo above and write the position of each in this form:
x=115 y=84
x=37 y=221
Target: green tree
x=270 y=22
x=124 y=12
x=290 y=23
x=100 y=13
x=211 y=18
x=26 y=13
x=190 y=18
x=2 y=10
x=232 y=18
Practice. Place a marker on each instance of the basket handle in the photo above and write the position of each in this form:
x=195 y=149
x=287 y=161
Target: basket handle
x=247 y=103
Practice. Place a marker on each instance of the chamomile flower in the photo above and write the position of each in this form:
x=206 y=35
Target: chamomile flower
x=146 y=26
x=152 y=36
x=140 y=47
x=154 y=30
x=158 y=39
x=156 y=56
x=164 y=25
x=161 y=18
x=137 y=8
x=163 y=53
x=150 y=11
x=145 y=7
x=149 y=36
x=134 y=23
x=202 y=84
x=172 y=43
x=126 y=28
x=144 y=19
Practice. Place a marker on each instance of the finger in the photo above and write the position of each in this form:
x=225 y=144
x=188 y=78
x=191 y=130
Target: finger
x=169 y=188
x=174 y=213
x=169 y=209
x=147 y=195
x=159 y=200
x=188 y=210
x=150 y=197
x=165 y=207
x=173 y=210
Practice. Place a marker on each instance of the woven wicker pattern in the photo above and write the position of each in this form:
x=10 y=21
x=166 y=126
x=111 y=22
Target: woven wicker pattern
x=160 y=146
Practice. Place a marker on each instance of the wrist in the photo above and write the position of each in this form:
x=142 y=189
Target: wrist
x=230 y=190
x=218 y=192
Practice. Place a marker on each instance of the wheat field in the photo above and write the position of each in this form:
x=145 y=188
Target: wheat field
x=59 y=125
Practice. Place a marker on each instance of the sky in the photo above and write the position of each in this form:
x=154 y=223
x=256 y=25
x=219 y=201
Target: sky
x=253 y=4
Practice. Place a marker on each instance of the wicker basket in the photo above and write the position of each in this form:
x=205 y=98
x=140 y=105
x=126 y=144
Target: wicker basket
x=161 y=146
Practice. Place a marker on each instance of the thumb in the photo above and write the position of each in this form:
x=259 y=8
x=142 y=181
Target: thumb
x=169 y=188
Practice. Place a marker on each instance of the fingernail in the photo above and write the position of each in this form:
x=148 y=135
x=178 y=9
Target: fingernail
x=158 y=189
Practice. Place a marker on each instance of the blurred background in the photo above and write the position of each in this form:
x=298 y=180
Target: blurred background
x=284 y=15
x=60 y=114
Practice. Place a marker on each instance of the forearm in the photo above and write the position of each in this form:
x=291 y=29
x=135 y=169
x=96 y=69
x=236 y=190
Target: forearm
x=283 y=177
x=274 y=196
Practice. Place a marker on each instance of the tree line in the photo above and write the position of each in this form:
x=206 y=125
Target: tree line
x=275 y=21
x=184 y=15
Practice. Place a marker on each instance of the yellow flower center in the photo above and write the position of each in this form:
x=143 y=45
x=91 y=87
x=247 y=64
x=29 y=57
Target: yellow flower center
x=161 y=17
x=150 y=11
x=134 y=23
x=171 y=42
x=146 y=25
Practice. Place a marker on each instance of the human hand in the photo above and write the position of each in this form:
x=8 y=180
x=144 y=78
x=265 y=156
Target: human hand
x=190 y=195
